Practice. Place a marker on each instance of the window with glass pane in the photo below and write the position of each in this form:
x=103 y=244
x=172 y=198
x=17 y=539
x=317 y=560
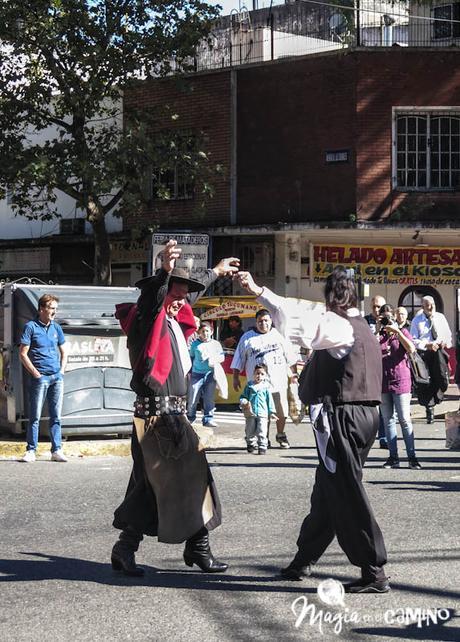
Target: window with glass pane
x=442 y=27
x=411 y=151
x=445 y=139
x=175 y=182
x=446 y=21
x=428 y=151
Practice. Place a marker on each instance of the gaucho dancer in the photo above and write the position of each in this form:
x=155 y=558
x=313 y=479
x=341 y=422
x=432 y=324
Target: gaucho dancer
x=171 y=493
x=342 y=383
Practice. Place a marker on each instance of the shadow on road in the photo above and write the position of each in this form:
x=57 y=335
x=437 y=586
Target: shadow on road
x=429 y=486
x=436 y=632
x=54 y=567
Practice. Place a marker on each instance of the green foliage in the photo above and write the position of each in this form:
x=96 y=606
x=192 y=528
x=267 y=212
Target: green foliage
x=64 y=67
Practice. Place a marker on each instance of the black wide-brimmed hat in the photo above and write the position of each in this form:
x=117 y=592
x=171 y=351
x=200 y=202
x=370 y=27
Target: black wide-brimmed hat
x=178 y=275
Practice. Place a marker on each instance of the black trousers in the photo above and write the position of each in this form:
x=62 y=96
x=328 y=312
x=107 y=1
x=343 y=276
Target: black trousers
x=339 y=504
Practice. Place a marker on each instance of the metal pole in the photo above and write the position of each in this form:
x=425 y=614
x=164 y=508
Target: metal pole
x=272 y=38
x=358 y=24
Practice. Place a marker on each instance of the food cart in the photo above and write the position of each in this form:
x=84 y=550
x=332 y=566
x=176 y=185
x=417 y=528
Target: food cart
x=218 y=309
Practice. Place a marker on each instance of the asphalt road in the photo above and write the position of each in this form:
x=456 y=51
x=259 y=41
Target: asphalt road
x=56 y=582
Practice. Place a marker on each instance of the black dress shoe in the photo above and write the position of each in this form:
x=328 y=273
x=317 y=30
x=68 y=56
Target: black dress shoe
x=364 y=586
x=295 y=573
x=124 y=560
x=207 y=564
x=197 y=551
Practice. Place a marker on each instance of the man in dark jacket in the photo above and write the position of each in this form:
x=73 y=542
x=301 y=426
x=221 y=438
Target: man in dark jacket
x=171 y=493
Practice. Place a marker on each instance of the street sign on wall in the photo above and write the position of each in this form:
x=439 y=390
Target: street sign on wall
x=194 y=257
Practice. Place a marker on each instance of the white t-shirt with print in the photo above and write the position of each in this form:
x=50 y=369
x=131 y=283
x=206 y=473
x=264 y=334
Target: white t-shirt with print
x=270 y=349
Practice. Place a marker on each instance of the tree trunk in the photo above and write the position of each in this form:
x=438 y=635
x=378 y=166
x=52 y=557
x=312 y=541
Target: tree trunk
x=102 y=262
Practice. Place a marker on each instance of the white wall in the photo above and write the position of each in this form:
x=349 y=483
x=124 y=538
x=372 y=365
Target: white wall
x=18 y=227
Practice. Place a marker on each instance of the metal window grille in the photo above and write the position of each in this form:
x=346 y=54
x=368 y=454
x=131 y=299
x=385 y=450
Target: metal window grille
x=174 y=182
x=428 y=151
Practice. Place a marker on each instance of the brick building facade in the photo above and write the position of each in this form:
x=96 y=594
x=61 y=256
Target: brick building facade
x=289 y=114
x=320 y=149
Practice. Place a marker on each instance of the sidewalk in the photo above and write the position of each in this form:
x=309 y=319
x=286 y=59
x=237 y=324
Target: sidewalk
x=229 y=434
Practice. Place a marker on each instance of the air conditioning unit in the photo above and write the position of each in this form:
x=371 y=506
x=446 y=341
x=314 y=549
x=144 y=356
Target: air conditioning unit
x=72 y=226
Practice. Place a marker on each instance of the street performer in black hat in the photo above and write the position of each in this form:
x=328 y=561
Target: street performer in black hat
x=171 y=493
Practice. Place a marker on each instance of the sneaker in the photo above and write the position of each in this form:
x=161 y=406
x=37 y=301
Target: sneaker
x=282 y=440
x=391 y=462
x=251 y=449
x=210 y=424
x=383 y=444
x=414 y=463
x=28 y=457
x=262 y=451
x=363 y=586
x=295 y=573
x=58 y=455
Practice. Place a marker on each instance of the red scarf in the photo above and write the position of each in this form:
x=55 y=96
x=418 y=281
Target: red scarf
x=157 y=356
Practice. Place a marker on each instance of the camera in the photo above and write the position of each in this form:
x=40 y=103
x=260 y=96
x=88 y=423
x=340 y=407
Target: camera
x=385 y=321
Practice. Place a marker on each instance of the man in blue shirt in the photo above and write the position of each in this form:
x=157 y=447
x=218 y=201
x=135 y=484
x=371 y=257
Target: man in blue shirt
x=43 y=355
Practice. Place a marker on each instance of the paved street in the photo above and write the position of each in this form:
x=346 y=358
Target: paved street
x=57 y=583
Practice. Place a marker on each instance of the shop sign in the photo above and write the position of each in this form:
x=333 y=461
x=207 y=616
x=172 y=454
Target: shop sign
x=28 y=261
x=230 y=308
x=194 y=257
x=390 y=265
x=91 y=350
x=130 y=251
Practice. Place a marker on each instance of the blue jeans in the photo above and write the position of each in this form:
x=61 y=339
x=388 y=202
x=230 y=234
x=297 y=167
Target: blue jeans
x=381 y=434
x=400 y=403
x=201 y=385
x=51 y=388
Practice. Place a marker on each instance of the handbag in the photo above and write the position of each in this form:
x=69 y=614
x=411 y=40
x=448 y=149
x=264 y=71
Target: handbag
x=418 y=369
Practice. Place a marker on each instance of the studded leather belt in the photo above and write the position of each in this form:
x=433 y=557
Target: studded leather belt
x=145 y=407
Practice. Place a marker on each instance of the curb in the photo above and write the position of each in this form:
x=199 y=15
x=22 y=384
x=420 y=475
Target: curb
x=15 y=449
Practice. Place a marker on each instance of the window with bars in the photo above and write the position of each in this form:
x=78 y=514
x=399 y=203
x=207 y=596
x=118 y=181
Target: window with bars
x=174 y=180
x=446 y=21
x=427 y=151
x=172 y=184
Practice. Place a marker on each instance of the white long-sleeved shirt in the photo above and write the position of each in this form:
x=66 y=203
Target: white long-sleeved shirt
x=421 y=326
x=308 y=324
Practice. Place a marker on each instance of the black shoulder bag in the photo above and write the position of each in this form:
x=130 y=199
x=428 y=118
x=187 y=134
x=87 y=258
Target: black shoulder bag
x=419 y=371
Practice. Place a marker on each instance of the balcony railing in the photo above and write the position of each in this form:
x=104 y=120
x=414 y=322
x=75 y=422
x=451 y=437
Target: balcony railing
x=313 y=26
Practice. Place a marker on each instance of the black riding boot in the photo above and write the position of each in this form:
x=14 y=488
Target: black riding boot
x=197 y=551
x=123 y=558
x=430 y=415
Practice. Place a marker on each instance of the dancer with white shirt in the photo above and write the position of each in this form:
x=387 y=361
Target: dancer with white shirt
x=343 y=383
